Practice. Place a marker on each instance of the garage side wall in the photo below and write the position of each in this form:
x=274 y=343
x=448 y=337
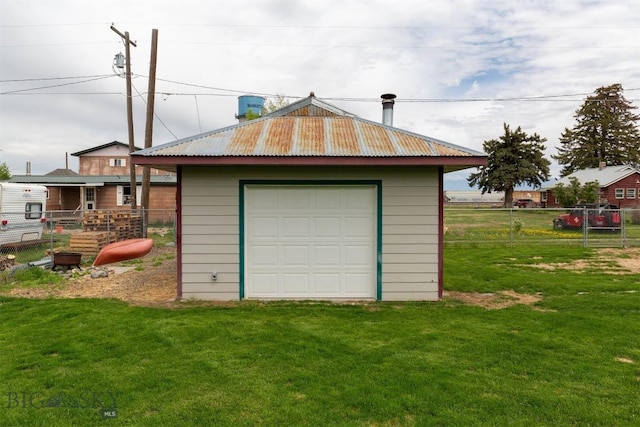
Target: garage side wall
x=211 y=227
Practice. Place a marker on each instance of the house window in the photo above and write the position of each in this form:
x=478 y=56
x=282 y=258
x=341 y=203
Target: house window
x=543 y=196
x=123 y=195
x=631 y=193
x=90 y=194
x=619 y=193
x=33 y=210
x=126 y=195
x=117 y=162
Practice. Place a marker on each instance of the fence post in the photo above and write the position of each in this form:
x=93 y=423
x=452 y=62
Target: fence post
x=50 y=221
x=623 y=229
x=109 y=226
x=585 y=226
x=511 y=227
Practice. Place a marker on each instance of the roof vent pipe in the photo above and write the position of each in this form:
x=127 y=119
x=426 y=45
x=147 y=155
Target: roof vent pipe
x=388 y=99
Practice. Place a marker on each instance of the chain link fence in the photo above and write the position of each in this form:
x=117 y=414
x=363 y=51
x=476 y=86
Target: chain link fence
x=588 y=226
x=35 y=237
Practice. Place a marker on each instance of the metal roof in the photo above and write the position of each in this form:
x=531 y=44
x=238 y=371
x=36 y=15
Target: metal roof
x=605 y=176
x=88 y=180
x=309 y=129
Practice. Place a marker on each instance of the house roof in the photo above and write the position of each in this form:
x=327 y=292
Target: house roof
x=89 y=180
x=62 y=172
x=605 y=176
x=309 y=132
x=103 y=146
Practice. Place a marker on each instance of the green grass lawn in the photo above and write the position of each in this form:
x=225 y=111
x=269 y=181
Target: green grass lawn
x=572 y=359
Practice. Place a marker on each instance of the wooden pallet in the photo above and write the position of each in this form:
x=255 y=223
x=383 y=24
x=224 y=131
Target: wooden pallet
x=126 y=224
x=90 y=242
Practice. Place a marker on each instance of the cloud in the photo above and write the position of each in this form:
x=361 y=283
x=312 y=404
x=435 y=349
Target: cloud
x=442 y=53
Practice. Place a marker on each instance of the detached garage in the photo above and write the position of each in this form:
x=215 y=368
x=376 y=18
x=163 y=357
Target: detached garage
x=310 y=202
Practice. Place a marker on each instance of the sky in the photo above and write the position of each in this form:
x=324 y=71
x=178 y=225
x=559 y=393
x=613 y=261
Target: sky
x=460 y=68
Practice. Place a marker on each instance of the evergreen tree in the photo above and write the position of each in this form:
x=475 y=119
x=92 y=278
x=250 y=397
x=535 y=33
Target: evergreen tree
x=605 y=131
x=513 y=159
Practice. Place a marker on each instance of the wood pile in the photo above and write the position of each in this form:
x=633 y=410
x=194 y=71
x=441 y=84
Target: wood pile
x=90 y=242
x=126 y=224
x=7 y=261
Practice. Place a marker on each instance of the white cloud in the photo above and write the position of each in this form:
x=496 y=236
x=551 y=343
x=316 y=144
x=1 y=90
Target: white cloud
x=349 y=49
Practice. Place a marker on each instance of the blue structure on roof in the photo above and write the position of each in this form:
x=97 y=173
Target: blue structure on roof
x=249 y=103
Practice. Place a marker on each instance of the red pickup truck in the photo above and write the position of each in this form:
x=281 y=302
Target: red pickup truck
x=603 y=216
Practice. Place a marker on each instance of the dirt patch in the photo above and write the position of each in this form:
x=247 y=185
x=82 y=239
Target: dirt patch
x=609 y=260
x=493 y=301
x=149 y=281
x=152 y=281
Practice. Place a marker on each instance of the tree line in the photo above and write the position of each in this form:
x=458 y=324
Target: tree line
x=605 y=131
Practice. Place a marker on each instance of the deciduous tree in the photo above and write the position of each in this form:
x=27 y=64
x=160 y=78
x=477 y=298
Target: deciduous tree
x=5 y=174
x=573 y=193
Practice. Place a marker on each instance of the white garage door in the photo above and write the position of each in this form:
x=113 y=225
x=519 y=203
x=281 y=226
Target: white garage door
x=310 y=242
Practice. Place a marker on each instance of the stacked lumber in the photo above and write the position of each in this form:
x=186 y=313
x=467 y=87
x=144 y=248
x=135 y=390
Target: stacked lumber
x=90 y=242
x=97 y=221
x=126 y=224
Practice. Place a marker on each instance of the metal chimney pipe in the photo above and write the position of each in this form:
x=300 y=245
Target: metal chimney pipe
x=388 y=99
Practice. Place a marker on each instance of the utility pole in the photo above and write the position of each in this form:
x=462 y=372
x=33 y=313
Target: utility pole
x=148 y=135
x=132 y=168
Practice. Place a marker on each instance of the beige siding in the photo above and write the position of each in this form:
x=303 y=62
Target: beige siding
x=410 y=235
x=210 y=230
x=211 y=227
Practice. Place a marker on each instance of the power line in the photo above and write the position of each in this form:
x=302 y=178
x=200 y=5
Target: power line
x=234 y=92
x=154 y=113
x=57 y=85
x=53 y=78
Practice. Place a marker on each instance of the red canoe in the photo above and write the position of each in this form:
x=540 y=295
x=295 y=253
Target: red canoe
x=123 y=251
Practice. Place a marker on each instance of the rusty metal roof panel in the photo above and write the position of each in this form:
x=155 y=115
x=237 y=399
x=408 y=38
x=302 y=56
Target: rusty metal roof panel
x=309 y=128
x=343 y=136
x=309 y=136
x=278 y=138
x=243 y=141
x=375 y=140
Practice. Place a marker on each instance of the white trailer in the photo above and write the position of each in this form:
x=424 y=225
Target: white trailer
x=22 y=212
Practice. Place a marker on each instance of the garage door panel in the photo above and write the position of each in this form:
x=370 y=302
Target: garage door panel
x=326 y=284
x=263 y=227
x=327 y=199
x=326 y=256
x=293 y=199
x=264 y=255
x=265 y=285
x=357 y=200
x=295 y=227
x=264 y=200
x=326 y=227
x=358 y=255
x=358 y=227
x=358 y=284
x=296 y=285
x=294 y=256
x=314 y=242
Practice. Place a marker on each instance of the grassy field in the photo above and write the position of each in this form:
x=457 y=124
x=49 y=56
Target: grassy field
x=571 y=359
x=525 y=226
